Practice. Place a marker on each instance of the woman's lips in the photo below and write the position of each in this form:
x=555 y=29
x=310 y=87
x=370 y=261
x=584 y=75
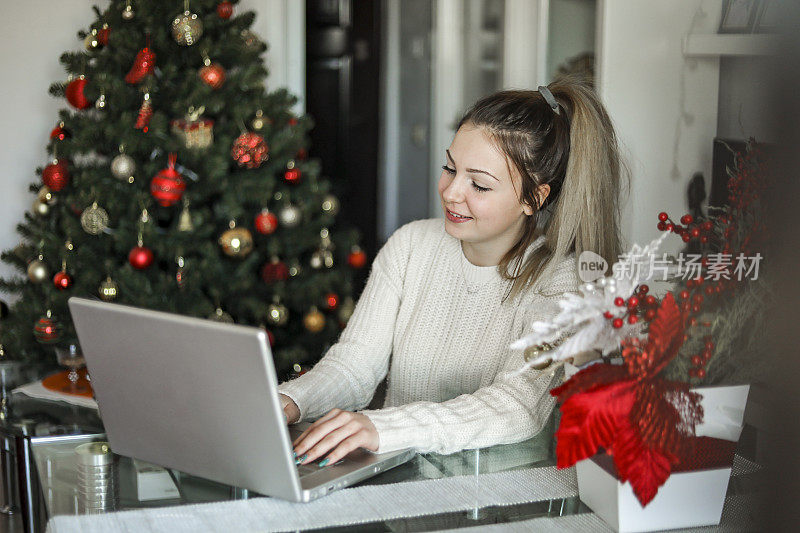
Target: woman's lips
x=454 y=217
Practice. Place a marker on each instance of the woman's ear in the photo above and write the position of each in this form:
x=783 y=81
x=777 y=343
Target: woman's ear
x=541 y=194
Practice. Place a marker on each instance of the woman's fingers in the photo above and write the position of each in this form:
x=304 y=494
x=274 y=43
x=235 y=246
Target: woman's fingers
x=358 y=439
x=312 y=427
x=330 y=441
x=319 y=429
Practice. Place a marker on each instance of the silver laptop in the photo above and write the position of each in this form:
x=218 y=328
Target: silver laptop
x=201 y=397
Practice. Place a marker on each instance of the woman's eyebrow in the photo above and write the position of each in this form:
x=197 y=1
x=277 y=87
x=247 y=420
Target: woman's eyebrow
x=450 y=157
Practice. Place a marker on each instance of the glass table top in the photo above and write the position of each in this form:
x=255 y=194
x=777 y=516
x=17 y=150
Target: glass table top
x=55 y=459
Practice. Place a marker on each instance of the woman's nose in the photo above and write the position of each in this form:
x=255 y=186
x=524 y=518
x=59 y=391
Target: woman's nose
x=454 y=192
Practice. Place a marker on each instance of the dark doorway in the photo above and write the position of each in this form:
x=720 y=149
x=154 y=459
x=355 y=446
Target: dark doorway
x=342 y=89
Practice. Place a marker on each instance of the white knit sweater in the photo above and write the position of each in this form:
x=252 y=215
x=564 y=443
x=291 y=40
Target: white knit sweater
x=436 y=323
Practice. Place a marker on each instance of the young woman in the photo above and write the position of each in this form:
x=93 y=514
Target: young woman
x=446 y=298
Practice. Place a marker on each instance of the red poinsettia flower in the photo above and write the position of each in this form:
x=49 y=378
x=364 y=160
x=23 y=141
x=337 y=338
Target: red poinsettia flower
x=643 y=420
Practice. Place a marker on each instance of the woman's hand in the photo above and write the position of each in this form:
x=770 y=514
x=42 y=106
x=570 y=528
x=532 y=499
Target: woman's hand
x=290 y=409
x=340 y=431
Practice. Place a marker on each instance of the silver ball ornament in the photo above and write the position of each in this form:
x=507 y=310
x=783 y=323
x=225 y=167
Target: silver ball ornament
x=123 y=166
x=290 y=216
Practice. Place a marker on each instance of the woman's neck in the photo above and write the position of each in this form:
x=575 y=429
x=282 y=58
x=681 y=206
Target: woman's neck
x=484 y=254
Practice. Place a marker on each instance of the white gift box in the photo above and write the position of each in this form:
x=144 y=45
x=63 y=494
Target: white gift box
x=687 y=499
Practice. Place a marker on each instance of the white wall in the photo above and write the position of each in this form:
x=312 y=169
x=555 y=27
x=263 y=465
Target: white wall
x=572 y=31
x=664 y=105
x=30 y=45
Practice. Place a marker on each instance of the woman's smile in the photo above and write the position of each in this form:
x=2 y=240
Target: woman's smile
x=455 y=217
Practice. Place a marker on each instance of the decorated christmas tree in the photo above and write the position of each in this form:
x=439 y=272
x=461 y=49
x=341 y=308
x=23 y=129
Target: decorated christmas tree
x=176 y=181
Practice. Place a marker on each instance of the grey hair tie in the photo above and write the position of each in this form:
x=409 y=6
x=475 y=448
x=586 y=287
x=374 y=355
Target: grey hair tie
x=550 y=99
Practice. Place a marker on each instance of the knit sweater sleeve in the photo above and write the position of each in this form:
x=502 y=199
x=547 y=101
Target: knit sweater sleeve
x=514 y=407
x=347 y=376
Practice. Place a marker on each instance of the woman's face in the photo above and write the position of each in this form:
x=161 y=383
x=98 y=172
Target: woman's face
x=479 y=195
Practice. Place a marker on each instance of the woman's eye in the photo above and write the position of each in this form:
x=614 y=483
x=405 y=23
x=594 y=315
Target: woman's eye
x=479 y=188
x=448 y=169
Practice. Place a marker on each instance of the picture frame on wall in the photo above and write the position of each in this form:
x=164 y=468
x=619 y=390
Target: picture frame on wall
x=738 y=16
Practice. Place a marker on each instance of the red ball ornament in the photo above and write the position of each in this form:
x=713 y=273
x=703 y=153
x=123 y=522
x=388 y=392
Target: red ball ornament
x=619 y=301
x=661 y=226
x=608 y=314
x=650 y=299
x=266 y=222
x=662 y=216
x=697 y=360
x=332 y=301
x=74 y=93
x=617 y=323
x=644 y=289
x=250 y=150
x=292 y=175
x=686 y=237
x=62 y=280
x=687 y=219
x=46 y=330
x=167 y=186
x=274 y=271
x=143 y=64
x=650 y=314
x=224 y=10
x=633 y=319
x=56 y=175
x=60 y=132
x=701 y=373
x=357 y=257
x=140 y=257
x=213 y=75
x=633 y=301
x=684 y=295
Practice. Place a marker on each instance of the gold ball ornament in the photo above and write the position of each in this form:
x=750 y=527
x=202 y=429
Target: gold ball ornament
x=94 y=219
x=91 y=42
x=187 y=28
x=123 y=166
x=259 y=121
x=108 y=289
x=290 y=216
x=314 y=321
x=45 y=195
x=330 y=205
x=37 y=271
x=40 y=208
x=236 y=242
x=221 y=316
x=128 y=13
x=277 y=314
